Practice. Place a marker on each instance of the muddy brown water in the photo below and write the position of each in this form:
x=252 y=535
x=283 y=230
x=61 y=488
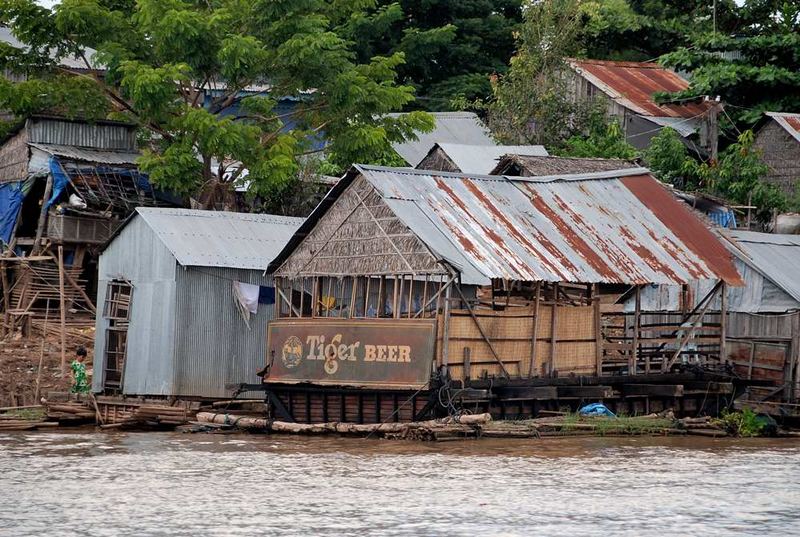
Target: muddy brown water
x=178 y=484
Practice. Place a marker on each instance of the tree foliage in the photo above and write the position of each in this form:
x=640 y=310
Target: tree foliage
x=180 y=69
x=737 y=175
x=754 y=66
x=451 y=47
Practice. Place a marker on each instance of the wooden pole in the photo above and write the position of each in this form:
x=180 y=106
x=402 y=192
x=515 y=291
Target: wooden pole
x=535 y=328
x=553 y=332
x=446 y=328
x=6 y=296
x=598 y=333
x=634 y=356
x=48 y=189
x=41 y=351
x=723 y=321
x=62 y=308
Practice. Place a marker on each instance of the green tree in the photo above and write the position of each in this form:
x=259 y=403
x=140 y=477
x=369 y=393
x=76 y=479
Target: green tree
x=754 y=67
x=162 y=58
x=668 y=159
x=603 y=140
x=451 y=47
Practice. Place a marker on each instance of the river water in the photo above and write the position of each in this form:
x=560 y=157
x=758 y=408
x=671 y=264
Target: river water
x=179 y=484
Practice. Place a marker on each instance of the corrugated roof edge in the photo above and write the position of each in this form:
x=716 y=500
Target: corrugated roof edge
x=610 y=174
x=734 y=237
x=142 y=211
x=781 y=119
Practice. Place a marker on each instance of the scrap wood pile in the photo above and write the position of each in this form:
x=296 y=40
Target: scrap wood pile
x=24 y=418
x=151 y=415
x=69 y=412
x=477 y=426
x=78 y=330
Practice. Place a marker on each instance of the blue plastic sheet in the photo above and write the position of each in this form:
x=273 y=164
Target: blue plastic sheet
x=11 y=196
x=60 y=180
x=596 y=409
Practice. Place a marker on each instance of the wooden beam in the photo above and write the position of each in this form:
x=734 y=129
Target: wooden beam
x=553 y=331
x=62 y=308
x=535 y=328
x=585 y=392
x=652 y=390
x=637 y=314
x=480 y=329
x=48 y=189
x=723 y=321
x=598 y=331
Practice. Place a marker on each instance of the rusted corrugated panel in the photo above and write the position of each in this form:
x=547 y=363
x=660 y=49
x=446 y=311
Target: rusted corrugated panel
x=589 y=228
x=633 y=84
x=790 y=122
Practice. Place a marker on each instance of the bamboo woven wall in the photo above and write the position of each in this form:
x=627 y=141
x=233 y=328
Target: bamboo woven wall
x=359 y=235
x=511 y=333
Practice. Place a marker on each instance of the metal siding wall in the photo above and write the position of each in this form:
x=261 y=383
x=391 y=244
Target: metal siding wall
x=137 y=255
x=214 y=347
x=98 y=136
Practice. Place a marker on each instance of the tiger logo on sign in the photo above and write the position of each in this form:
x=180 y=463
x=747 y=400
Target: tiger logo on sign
x=292 y=352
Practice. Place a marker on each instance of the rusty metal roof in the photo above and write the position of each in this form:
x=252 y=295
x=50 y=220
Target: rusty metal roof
x=613 y=227
x=633 y=84
x=790 y=122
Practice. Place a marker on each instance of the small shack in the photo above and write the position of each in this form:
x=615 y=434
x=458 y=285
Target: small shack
x=480 y=159
x=778 y=138
x=629 y=88
x=407 y=291
x=184 y=300
x=450 y=127
x=763 y=319
x=64 y=187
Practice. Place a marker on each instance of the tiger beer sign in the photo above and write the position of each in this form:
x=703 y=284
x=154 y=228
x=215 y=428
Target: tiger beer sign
x=379 y=353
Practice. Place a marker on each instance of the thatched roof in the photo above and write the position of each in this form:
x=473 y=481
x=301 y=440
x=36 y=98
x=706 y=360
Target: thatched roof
x=532 y=166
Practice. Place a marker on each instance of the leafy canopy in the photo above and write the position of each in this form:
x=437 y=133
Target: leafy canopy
x=207 y=81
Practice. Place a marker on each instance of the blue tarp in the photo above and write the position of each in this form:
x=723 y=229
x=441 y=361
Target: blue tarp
x=11 y=196
x=723 y=218
x=596 y=409
x=60 y=180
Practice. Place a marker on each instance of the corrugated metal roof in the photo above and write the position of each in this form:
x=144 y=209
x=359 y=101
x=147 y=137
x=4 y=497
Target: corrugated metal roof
x=451 y=127
x=483 y=158
x=685 y=126
x=69 y=152
x=776 y=256
x=73 y=62
x=614 y=227
x=633 y=84
x=221 y=238
x=790 y=122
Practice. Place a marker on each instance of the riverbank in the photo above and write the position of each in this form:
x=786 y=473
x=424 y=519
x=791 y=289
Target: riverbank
x=85 y=410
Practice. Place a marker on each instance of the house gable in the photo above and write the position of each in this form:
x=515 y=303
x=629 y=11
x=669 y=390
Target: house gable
x=359 y=235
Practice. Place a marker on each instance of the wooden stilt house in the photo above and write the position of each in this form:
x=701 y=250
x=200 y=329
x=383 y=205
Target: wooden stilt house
x=409 y=292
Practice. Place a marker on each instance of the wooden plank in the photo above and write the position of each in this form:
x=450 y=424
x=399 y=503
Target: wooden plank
x=63 y=310
x=526 y=393
x=636 y=319
x=652 y=390
x=535 y=328
x=585 y=392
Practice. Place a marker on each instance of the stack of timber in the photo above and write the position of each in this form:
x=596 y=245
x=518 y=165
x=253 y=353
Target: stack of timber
x=133 y=414
x=24 y=418
x=70 y=412
x=79 y=330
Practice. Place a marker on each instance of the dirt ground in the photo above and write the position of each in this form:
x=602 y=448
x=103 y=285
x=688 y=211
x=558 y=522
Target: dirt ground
x=19 y=365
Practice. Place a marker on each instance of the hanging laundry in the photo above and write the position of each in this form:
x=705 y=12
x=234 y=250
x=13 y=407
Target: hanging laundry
x=266 y=295
x=247 y=295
